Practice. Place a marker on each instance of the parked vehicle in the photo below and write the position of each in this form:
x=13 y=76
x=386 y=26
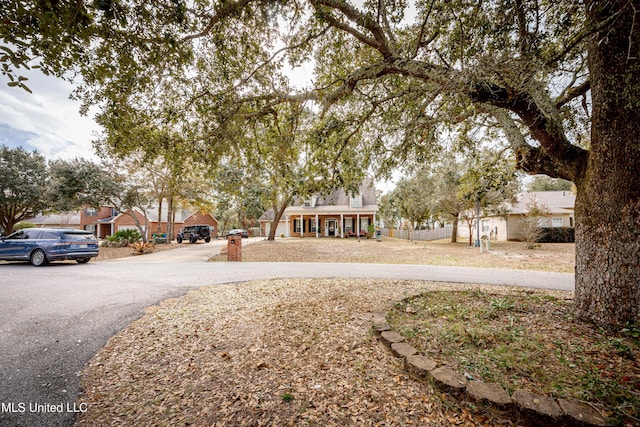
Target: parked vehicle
x=40 y=246
x=193 y=233
x=237 y=232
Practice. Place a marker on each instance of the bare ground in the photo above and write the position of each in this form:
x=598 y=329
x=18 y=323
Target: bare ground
x=549 y=257
x=113 y=253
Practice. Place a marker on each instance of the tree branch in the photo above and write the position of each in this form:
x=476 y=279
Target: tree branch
x=419 y=42
x=221 y=13
x=572 y=93
x=365 y=20
x=556 y=156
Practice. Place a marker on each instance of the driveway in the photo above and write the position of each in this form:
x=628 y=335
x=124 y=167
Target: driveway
x=189 y=252
x=53 y=319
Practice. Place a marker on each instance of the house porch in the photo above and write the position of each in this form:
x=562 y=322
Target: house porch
x=329 y=225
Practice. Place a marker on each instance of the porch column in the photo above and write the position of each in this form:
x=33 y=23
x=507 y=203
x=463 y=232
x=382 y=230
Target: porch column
x=317 y=227
x=288 y=234
x=342 y=226
x=358 y=222
x=301 y=225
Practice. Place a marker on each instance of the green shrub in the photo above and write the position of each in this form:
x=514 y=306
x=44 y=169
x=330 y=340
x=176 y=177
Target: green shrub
x=557 y=235
x=22 y=225
x=124 y=238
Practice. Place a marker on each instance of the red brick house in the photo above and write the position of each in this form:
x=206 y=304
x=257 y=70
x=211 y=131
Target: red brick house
x=108 y=220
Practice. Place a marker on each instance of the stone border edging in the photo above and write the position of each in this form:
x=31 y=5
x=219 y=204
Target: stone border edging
x=535 y=409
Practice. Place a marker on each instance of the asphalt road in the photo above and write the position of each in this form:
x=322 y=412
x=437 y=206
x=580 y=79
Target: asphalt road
x=53 y=319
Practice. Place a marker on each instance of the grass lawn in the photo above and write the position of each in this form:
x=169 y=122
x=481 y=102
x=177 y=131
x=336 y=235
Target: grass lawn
x=529 y=340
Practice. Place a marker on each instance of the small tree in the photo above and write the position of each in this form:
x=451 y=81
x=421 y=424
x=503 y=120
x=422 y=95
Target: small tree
x=531 y=224
x=23 y=183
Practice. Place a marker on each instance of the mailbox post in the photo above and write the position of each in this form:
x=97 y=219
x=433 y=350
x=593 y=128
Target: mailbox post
x=234 y=248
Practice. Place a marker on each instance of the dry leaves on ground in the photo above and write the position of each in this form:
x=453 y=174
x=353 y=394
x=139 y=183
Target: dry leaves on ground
x=280 y=352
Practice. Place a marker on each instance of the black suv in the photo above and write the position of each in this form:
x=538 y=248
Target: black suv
x=193 y=233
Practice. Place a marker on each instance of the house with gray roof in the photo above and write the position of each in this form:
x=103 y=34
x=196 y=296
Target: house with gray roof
x=559 y=206
x=108 y=220
x=57 y=220
x=338 y=214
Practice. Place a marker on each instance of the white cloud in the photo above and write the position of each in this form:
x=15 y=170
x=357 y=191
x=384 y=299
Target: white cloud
x=46 y=120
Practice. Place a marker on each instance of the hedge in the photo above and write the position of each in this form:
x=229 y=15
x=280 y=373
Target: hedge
x=557 y=235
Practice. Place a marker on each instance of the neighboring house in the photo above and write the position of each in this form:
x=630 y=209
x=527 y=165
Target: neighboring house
x=107 y=221
x=336 y=215
x=558 y=204
x=61 y=220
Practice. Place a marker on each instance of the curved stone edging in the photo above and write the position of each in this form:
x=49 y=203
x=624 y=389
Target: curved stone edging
x=535 y=409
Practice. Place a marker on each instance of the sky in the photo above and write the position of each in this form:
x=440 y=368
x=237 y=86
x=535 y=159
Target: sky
x=45 y=120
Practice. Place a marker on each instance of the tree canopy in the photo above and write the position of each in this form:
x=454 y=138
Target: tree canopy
x=23 y=183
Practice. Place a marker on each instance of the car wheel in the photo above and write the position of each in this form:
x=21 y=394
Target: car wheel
x=83 y=260
x=38 y=258
x=193 y=239
x=179 y=239
x=207 y=239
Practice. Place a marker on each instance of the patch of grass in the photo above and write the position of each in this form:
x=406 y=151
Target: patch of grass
x=526 y=340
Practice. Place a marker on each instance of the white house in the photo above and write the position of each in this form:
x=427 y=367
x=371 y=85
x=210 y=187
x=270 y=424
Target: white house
x=558 y=204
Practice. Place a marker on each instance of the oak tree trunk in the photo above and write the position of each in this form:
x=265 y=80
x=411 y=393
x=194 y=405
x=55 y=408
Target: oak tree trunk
x=608 y=202
x=278 y=212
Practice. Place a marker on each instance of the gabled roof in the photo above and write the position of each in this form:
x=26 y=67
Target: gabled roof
x=71 y=218
x=556 y=202
x=338 y=201
x=341 y=200
x=152 y=212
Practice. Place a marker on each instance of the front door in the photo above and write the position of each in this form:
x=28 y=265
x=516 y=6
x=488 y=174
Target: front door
x=332 y=227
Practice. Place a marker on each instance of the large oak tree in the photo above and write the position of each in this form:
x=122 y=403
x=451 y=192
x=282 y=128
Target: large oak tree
x=506 y=60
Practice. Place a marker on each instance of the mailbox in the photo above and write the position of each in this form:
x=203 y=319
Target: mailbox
x=234 y=248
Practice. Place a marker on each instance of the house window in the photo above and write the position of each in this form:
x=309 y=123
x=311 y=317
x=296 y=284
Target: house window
x=485 y=225
x=556 y=222
x=356 y=202
x=311 y=203
x=296 y=225
x=90 y=212
x=348 y=224
x=312 y=225
x=571 y=221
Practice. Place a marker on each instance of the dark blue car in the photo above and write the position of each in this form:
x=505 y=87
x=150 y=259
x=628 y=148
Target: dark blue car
x=42 y=245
